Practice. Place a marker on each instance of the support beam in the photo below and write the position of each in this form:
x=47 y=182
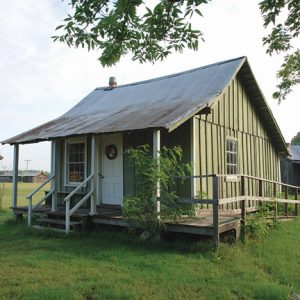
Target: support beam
x=243 y=208
x=216 y=229
x=93 y=153
x=193 y=157
x=53 y=173
x=156 y=155
x=15 y=176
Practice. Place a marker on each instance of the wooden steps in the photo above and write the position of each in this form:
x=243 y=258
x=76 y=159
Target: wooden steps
x=57 y=222
x=60 y=230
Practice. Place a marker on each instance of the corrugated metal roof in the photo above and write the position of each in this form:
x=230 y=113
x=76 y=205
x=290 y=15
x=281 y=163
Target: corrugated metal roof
x=164 y=102
x=160 y=102
x=295 y=153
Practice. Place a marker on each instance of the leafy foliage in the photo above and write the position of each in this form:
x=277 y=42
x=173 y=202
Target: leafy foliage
x=281 y=39
x=258 y=225
x=141 y=209
x=296 y=139
x=118 y=27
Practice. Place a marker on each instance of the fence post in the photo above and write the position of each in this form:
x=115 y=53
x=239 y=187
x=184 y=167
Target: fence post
x=216 y=234
x=67 y=216
x=296 y=205
x=260 y=191
x=276 y=206
x=286 y=196
x=243 y=208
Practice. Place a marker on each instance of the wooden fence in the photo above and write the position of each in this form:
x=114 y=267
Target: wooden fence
x=247 y=194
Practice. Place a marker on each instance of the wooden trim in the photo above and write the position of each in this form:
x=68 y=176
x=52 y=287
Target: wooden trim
x=77 y=140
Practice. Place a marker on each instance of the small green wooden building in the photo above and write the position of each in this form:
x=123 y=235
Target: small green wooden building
x=216 y=113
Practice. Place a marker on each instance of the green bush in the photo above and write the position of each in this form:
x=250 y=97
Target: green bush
x=141 y=209
x=258 y=225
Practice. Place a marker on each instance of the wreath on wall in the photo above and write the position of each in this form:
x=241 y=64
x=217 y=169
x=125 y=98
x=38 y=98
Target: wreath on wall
x=111 y=151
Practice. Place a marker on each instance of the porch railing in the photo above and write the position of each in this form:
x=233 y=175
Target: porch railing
x=246 y=190
x=29 y=198
x=70 y=211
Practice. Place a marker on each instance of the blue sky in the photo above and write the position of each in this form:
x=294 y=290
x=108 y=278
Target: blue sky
x=40 y=80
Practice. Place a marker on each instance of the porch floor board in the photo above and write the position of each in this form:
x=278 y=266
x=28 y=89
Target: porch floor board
x=202 y=224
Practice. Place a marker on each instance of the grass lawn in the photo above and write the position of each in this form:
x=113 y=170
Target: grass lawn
x=110 y=263
x=23 y=190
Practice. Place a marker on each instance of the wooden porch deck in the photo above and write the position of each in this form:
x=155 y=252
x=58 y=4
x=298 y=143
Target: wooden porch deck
x=112 y=215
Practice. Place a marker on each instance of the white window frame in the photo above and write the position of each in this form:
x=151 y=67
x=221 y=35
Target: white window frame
x=66 y=164
x=232 y=139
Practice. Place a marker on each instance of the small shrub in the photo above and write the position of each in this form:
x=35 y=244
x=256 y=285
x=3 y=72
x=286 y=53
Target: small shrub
x=258 y=225
x=141 y=209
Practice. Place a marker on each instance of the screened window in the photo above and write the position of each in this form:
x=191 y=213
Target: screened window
x=231 y=154
x=75 y=162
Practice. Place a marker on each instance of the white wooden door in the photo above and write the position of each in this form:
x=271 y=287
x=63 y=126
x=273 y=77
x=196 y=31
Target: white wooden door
x=112 y=169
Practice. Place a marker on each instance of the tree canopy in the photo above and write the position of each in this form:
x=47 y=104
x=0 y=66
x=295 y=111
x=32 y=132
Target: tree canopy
x=151 y=30
x=284 y=17
x=118 y=27
x=296 y=139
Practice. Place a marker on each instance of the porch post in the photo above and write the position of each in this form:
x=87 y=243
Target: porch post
x=15 y=176
x=216 y=221
x=93 y=200
x=156 y=155
x=53 y=173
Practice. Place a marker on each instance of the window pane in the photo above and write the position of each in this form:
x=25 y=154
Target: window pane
x=76 y=162
x=231 y=156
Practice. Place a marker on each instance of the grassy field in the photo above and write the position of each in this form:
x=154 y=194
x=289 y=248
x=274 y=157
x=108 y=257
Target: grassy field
x=109 y=263
x=23 y=190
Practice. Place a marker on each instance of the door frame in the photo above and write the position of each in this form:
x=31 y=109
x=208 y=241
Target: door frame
x=99 y=167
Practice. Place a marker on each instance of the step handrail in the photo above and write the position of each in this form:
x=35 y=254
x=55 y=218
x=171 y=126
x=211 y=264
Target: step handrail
x=90 y=194
x=40 y=186
x=29 y=198
x=78 y=187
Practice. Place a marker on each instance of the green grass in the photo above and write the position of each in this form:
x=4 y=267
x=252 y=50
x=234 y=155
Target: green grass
x=109 y=263
x=23 y=190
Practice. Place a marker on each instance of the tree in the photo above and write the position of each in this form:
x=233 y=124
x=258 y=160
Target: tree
x=296 y=139
x=284 y=15
x=118 y=27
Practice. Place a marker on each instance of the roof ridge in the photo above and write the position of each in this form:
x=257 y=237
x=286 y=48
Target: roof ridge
x=174 y=74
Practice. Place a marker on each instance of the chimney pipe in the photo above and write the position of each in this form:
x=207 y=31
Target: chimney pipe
x=112 y=82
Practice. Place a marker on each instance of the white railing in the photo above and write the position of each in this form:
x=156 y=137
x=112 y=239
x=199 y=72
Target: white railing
x=29 y=198
x=90 y=194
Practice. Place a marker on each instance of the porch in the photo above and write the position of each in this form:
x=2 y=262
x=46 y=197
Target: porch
x=219 y=213
x=112 y=215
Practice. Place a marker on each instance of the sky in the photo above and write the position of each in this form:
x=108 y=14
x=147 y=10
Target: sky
x=41 y=80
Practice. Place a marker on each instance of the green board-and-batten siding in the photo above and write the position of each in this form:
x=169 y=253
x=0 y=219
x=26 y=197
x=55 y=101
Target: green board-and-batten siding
x=181 y=136
x=234 y=116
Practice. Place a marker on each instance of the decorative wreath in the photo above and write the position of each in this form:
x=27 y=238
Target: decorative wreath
x=111 y=151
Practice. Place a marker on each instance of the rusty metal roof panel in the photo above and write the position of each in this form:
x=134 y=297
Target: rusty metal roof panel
x=160 y=102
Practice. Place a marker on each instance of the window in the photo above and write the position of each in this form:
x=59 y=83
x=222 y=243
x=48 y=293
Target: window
x=75 y=162
x=231 y=154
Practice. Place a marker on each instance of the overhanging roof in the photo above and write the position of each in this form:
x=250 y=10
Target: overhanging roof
x=164 y=102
